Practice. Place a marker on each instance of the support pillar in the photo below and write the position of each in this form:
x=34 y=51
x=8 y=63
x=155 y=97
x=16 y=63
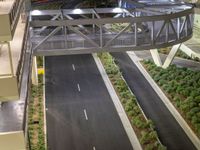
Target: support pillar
x=171 y=56
x=1 y=46
x=168 y=60
x=34 y=71
x=156 y=57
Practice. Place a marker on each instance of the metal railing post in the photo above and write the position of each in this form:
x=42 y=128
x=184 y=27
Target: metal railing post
x=10 y=59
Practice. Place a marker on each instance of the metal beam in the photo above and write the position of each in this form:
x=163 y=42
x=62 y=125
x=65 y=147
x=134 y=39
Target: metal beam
x=159 y=32
x=80 y=26
x=173 y=29
x=38 y=23
x=84 y=36
x=43 y=28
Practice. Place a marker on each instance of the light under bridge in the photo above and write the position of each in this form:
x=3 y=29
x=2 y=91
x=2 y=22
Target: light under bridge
x=78 y=31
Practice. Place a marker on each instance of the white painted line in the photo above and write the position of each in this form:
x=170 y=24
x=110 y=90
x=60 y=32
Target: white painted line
x=73 y=67
x=79 y=89
x=94 y=148
x=44 y=105
x=85 y=113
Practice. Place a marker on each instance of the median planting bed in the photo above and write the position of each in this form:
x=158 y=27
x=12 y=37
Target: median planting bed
x=36 y=113
x=143 y=128
x=182 y=87
x=36 y=117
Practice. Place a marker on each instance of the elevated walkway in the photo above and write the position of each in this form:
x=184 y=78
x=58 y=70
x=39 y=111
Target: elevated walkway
x=11 y=56
x=78 y=31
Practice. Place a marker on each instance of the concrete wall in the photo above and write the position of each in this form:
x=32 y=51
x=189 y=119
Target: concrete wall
x=8 y=89
x=5 y=29
x=12 y=141
x=197 y=18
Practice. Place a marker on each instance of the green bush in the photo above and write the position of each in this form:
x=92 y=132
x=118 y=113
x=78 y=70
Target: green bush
x=130 y=103
x=183 y=88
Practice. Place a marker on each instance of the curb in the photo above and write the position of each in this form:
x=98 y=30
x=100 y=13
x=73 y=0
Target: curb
x=195 y=140
x=120 y=110
x=44 y=107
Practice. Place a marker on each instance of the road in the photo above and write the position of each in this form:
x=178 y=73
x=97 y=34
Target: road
x=169 y=131
x=80 y=113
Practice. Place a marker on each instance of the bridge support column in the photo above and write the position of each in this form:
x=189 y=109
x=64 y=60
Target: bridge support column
x=171 y=56
x=156 y=57
x=34 y=72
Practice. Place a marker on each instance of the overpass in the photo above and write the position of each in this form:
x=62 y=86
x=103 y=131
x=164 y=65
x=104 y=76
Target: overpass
x=79 y=31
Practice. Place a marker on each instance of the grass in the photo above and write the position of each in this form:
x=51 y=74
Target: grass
x=182 y=87
x=143 y=128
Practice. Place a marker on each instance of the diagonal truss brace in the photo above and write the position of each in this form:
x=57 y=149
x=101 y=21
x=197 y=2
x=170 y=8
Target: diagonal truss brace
x=120 y=33
x=43 y=28
x=47 y=37
x=80 y=26
x=84 y=36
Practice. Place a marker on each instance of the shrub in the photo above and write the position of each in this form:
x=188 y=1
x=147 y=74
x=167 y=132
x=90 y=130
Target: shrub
x=138 y=122
x=128 y=99
x=161 y=82
x=197 y=99
x=195 y=119
x=194 y=110
x=131 y=113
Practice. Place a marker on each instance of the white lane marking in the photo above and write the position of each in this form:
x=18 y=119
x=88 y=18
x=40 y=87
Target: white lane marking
x=94 y=148
x=46 y=109
x=73 y=67
x=85 y=113
x=79 y=89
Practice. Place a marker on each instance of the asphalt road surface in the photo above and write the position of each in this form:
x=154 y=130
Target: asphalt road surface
x=80 y=113
x=169 y=131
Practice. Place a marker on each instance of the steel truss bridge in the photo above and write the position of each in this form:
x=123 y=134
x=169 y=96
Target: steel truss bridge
x=77 y=31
